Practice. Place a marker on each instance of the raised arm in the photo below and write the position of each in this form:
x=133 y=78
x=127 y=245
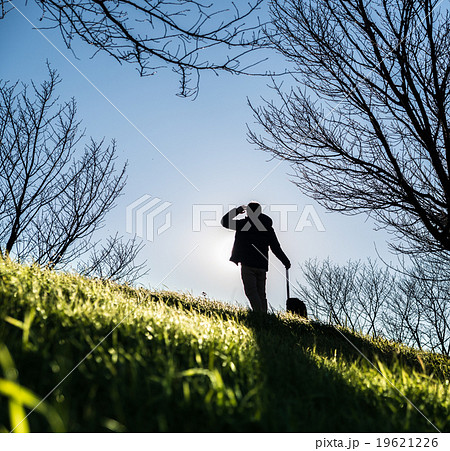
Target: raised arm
x=228 y=220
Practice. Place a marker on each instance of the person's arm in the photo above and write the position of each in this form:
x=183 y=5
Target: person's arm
x=228 y=220
x=276 y=249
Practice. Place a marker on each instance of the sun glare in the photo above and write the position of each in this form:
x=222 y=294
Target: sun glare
x=221 y=252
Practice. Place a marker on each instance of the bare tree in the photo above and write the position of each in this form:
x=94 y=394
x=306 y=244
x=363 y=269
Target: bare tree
x=52 y=200
x=37 y=139
x=376 y=287
x=419 y=314
x=116 y=261
x=353 y=295
x=367 y=129
x=63 y=230
x=332 y=291
x=407 y=304
x=190 y=36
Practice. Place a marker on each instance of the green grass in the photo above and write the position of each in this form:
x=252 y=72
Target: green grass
x=165 y=361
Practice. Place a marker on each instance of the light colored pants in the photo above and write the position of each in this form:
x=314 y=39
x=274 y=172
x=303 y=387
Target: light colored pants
x=254 y=280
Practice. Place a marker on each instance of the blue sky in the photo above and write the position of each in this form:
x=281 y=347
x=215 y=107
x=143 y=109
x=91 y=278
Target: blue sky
x=211 y=163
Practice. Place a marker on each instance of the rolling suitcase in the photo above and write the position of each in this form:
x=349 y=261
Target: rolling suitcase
x=294 y=305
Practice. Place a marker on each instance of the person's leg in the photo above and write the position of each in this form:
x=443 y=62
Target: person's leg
x=249 y=279
x=261 y=287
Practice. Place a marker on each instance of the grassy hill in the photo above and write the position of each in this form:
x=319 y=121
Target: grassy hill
x=125 y=359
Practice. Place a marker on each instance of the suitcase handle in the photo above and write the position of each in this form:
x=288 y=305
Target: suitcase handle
x=287 y=282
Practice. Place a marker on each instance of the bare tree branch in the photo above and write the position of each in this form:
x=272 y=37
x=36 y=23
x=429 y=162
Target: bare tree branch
x=367 y=131
x=190 y=36
x=115 y=261
x=407 y=304
x=53 y=200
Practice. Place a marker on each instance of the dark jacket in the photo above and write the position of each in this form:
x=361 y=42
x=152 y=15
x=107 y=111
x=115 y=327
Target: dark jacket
x=253 y=239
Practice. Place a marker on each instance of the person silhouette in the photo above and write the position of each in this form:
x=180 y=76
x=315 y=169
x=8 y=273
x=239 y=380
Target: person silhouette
x=254 y=235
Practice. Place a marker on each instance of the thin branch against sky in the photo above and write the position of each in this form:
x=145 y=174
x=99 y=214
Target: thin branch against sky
x=105 y=97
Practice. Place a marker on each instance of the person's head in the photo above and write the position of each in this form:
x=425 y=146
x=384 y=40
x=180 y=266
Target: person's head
x=255 y=208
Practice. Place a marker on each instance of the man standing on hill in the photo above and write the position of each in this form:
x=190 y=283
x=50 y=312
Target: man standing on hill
x=254 y=236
